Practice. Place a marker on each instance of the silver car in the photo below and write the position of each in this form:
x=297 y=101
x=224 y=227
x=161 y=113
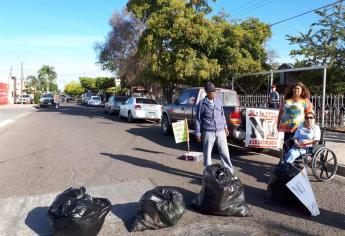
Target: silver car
x=95 y=101
x=113 y=104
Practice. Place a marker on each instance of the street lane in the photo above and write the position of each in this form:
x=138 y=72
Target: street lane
x=51 y=150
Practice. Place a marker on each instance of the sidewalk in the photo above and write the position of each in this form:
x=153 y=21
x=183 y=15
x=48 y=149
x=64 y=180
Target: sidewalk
x=12 y=112
x=335 y=141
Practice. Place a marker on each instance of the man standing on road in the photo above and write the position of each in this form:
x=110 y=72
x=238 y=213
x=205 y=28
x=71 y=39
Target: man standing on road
x=274 y=98
x=211 y=127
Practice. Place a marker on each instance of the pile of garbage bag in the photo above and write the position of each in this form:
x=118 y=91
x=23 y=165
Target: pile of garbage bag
x=74 y=212
x=159 y=208
x=277 y=189
x=221 y=193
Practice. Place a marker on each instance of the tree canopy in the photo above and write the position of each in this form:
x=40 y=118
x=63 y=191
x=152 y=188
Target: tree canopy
x=95 y=84
x=74 y=88
x=176 y=42
x=323 y=44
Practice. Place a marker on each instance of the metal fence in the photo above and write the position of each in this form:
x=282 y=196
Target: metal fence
x=334 y=107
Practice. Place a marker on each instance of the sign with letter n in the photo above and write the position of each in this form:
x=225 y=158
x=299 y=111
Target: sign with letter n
x=301 y=188
x=261 y=128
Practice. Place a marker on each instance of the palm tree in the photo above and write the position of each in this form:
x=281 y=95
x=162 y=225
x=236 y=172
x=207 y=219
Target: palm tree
x=47 y=75
x=32 y=82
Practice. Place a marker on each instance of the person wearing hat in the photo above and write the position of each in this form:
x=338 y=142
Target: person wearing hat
x=211 y=127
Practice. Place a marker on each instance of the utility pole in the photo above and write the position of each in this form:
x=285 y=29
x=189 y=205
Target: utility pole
x=21 y=82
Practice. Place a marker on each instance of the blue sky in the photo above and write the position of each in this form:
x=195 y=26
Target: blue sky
x=63 y=33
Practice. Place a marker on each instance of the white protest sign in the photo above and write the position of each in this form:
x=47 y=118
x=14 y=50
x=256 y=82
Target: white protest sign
x=180 y=131
x=261 y=128
x=300 y=186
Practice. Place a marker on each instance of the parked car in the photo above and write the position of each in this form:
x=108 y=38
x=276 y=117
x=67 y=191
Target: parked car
x=47 y=99
x=25 y=98
x=186 y=104
x=141 y=108
x=113 y=104
x=94 y=101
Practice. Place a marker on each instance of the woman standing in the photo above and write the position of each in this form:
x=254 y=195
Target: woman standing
x=293 y=109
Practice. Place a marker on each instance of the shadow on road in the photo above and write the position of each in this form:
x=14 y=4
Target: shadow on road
x=258 y=197
x=37 y=220
x=153 y=165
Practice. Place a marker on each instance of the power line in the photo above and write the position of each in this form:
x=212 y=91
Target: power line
x=257 y=6
x=245 y=6
x=304 y=13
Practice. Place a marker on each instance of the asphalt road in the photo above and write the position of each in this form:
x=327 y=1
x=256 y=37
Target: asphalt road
x=51 y=150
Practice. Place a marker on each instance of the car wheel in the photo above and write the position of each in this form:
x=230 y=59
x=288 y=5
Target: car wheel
x=130 y=117
x=165 y=126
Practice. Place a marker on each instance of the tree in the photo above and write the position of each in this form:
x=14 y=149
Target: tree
x=88 y=83
x=32 y=82
x=47 y=78
x=180 y=45
x=74 y=88
x=323 y=44
x=117 y=53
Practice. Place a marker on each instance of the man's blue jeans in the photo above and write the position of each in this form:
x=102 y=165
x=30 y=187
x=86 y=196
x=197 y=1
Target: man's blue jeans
x=211 y=137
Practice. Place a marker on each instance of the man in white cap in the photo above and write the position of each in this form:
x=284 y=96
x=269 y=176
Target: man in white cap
x=211 y=127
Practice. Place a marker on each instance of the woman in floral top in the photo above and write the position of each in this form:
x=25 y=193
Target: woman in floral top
x=292 y=110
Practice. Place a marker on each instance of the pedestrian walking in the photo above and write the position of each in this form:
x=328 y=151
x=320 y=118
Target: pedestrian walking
x=211 y=127
x=293 y=109
x=274 y=98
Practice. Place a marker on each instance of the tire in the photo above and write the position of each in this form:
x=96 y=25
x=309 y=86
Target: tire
x=130 y=117
x=324 y=164
x=165 y=126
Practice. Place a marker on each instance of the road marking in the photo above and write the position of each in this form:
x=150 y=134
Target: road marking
x=5 y=122
x=28 y=215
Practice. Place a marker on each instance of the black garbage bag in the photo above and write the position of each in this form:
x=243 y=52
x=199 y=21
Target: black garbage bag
x=74 y=212
x=159 y=208
x=277 y=189
x=221 y=193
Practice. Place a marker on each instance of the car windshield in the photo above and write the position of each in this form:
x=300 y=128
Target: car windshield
x=228 y=98
x=121 y=99
x=47 y=95
x=146 y=101
x=96 y=98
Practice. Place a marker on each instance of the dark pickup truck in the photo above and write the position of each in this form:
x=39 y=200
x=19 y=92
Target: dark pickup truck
x=186 y=105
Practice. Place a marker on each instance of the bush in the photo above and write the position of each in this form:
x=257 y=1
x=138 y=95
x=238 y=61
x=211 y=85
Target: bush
x=37 y=96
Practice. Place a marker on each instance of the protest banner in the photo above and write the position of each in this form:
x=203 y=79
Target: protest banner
x=301 y=188
x=261 y=128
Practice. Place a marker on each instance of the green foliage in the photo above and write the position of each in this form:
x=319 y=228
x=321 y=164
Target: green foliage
x=180 y=45
x=323 y=44
x=117 y=90
x=88 y=83
x=47 y=76
x=37 y=96
x=95 y=84
x=74 y=88
x=104 y=82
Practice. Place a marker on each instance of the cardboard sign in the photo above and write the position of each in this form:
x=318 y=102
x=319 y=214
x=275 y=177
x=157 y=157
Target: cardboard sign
x=180 y=129
x=56 y=98
x=301 y=188
x=261 y=128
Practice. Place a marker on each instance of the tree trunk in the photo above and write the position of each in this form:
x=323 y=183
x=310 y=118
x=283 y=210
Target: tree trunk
x=168 y=91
